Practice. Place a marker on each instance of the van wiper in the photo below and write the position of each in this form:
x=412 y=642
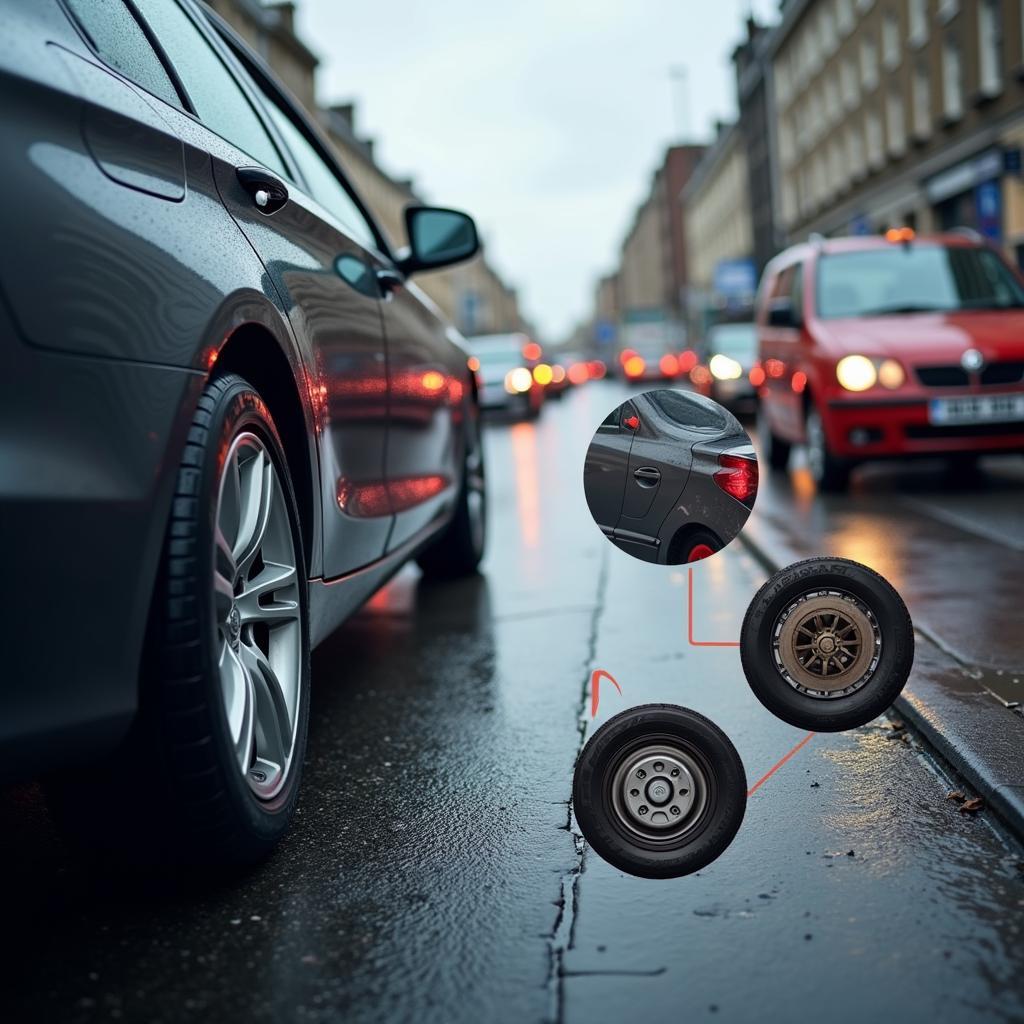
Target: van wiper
x=909 y=308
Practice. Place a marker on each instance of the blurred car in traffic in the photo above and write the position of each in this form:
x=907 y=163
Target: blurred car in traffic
x=670 y=477
x=731 y=366
x=890 y=346
x=505 y=365
x=651 y=360
x=228 y=417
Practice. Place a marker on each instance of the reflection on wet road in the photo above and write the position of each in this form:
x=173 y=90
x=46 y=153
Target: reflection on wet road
x=433 y=873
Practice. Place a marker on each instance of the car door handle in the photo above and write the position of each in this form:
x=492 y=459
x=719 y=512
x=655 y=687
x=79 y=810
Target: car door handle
x=267 y=192
x=647 y=476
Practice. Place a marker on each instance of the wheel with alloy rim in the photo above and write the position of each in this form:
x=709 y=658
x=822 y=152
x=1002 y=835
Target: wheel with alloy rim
x=827 y=644
x=459 y=549
x=828 y=472
x=659 y=791
x=259 y=623
x=210 y=772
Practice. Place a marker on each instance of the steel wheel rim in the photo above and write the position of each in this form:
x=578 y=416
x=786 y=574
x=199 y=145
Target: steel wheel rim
x=652 y=780
x=815 y=446
x=826 y=644
x=257 y=612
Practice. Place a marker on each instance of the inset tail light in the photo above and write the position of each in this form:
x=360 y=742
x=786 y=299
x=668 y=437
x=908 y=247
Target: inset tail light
x=632 y=422
x=737 y=477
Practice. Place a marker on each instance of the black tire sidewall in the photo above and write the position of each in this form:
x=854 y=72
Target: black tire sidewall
x=838 y=713
x=719 y=821
x=240 y=409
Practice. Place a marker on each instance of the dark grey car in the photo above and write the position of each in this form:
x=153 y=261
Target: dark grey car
x=226 y=418
x=670 y=477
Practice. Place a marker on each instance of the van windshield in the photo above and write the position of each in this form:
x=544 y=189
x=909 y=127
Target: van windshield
x=914 y=279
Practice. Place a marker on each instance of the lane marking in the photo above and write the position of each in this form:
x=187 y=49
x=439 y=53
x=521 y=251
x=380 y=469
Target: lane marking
x=689 y=621
x=771 y=771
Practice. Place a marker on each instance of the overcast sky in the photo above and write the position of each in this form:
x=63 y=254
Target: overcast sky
x=542 y=118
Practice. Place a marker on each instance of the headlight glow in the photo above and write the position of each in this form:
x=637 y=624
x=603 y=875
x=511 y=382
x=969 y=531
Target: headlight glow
x=890 y=374
x=725 y=368
x=856 y=373
x=518 y=381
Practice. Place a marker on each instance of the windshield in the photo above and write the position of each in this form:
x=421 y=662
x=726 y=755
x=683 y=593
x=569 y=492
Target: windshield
x=914 y=279
x=737 y=340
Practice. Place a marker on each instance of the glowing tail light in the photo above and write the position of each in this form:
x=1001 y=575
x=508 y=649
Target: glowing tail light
x=737 y=477
x=669 y=365
x=634 y=366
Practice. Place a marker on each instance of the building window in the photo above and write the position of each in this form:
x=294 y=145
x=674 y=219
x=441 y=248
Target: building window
x=849 y=84
x=891 y=41
x=844 y=16
x=922 y=88
x=868 y=63
x=833 y=103
x=855 y=150
x=952 y=79
x=948 y=9
x=827 y=31
x=917 y=23
x=875 y=139
x=865 y=5
x=990 y=48
x=895 y=122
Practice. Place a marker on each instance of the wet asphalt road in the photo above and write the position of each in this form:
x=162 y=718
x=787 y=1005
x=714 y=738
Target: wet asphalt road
x=434 y=872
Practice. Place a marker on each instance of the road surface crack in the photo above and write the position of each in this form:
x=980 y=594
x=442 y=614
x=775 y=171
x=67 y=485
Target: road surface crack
x=563 y=932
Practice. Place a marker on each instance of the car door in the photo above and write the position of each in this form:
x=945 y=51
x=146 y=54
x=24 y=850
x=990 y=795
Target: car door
x=659 y=461
x=780 y=350
x=316 y=253
x=426 y=373
x=606 y=465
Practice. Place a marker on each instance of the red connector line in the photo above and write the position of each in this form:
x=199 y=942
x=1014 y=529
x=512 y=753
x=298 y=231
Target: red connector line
x=734 y=643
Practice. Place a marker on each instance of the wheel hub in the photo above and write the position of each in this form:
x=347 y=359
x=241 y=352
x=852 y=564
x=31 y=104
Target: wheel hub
x=659 y=792
x=826 y=644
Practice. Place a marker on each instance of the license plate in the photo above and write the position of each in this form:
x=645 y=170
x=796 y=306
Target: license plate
x=976 y=409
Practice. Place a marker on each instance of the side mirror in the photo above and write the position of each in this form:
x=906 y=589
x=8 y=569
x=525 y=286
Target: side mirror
x=437 y=238
x=781 y=313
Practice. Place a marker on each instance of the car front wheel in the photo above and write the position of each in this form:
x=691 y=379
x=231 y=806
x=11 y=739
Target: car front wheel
x=210 y=773
x=828 y=472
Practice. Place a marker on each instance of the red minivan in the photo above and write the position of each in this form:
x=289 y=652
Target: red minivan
x=893 y=345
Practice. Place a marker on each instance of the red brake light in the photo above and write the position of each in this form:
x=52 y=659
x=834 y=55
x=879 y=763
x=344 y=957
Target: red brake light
x=632 y=422
x=737 y=477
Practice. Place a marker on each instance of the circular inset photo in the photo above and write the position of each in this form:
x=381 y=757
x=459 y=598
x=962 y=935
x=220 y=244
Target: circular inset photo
x=827 y=644
x=659 y=791
x=670 y=476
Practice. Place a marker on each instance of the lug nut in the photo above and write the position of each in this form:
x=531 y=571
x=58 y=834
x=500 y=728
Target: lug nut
x=675 y=772
x=641 y=774
x=683 y=792
x=634 y=792
x=643 y=808
x=658 y=766
x=675 y=810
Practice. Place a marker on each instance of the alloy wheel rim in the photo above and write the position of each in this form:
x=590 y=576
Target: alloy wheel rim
x=826 y=644
x=475 y=485
x=258 y=615
x=659 y=792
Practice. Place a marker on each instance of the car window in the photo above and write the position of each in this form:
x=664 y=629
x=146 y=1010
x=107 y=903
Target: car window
x=733 y=339
x=324 y=185
x=119 y=41
x=914 y=279
x=686 y=410
x=217 y=98
x=796 y=294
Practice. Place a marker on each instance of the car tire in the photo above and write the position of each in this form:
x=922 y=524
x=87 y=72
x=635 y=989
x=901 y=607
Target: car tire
x=652 y=842
x=830 y=474
x=211 y=769
x=460 y=548
x=774 y=450
x=793 y=606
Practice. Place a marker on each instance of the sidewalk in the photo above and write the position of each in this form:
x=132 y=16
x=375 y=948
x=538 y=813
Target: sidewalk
x=965 y=693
